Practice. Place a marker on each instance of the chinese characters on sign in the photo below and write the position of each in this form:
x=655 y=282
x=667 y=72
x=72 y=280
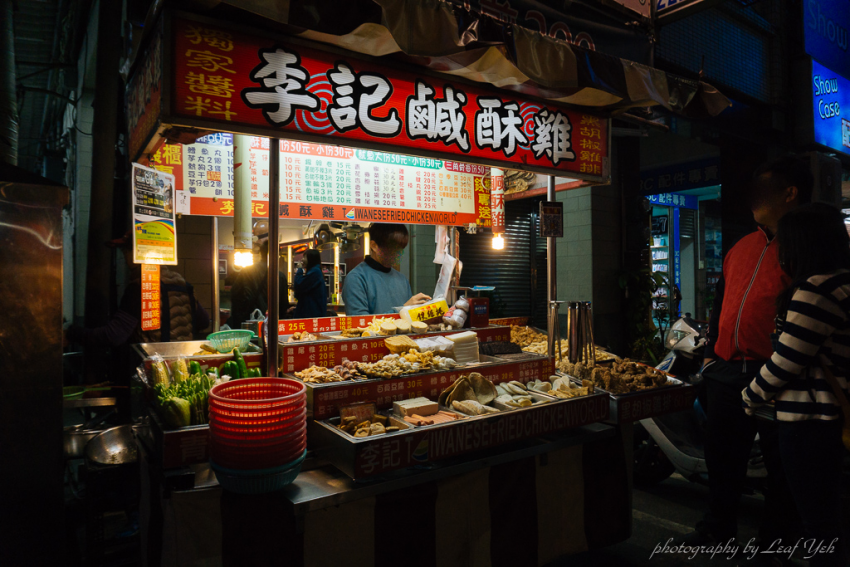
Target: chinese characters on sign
x=154 y=234
x=327 y=182
x=144 y=96
x=150 y=297
x=233 y=78
x=497 y=200
x=674 y=200
x=679 y=177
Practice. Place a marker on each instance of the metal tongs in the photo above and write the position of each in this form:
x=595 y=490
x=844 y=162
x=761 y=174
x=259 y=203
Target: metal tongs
x=554 y=329
x=581 y=346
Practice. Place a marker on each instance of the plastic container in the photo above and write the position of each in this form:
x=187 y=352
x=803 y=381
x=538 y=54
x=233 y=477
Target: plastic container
x=237 y=447
x=256 y=393
x=225 y=341
x=253 y=423
x=261 y=413
x=242 y=456
x=279 y=431
x=258 y=481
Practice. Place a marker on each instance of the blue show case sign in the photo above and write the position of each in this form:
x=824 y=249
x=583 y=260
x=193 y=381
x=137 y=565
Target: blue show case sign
x=674 y=200
x=681 y=176
x=831 y=108
x=826 y=24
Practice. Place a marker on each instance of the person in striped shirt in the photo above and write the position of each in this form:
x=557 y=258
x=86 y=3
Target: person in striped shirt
x=814 y=250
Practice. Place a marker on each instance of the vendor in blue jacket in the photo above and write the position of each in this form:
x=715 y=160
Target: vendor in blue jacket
x=374 y=287
x=310 y=289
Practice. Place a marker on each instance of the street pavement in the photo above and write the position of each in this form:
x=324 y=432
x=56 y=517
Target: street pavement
x=670 y=509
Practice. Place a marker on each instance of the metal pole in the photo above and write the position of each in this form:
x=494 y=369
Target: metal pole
x=454 y=280
x=551 y=272
x=274 y=256
x=216 y=301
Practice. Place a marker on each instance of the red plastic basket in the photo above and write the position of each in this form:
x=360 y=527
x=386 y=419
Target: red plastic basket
x=254 y=422
x=217 y=432
x=261 y=415
x=255 y=462
x=250 y=457
x=284 y=429
x=255 y=393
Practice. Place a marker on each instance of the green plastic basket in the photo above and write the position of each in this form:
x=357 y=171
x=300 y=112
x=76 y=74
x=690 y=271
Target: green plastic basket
x=225 y=341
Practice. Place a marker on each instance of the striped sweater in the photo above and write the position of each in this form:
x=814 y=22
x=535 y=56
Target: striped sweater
x=816 y=333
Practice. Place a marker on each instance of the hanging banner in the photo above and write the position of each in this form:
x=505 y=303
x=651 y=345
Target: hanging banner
x=497 y=200
x=144 y=96
x=150 y=297
x=325 y=182
x=154 y=234
x=228 y=81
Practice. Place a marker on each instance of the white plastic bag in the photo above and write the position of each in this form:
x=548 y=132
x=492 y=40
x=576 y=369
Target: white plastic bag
x=445 y=279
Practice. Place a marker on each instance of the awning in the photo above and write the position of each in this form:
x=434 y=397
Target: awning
x=454 y=40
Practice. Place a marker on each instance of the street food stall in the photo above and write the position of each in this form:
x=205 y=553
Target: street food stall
x=417 y=423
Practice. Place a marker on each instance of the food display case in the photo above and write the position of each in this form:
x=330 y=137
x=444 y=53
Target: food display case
x=367 y=457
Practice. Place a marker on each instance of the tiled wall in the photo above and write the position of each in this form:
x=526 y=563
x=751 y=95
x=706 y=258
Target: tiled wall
x=421 y=251
x=194 y=256
x=575 y=250
x=81 y=197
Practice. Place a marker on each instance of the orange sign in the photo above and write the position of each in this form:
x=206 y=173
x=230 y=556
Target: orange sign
x=150 y=297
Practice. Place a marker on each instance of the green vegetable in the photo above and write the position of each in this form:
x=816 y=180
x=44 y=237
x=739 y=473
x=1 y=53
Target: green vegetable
x=230 y=368
x=195 y=367
x=253 y=348
x=185 y=403
x=243 y=368
x=179 y=370
x=176 y=412
x=160 y=373
x=254 y=372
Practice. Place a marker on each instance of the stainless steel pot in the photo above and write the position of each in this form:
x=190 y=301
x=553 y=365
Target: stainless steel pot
x=115 y=446
x=76 y=439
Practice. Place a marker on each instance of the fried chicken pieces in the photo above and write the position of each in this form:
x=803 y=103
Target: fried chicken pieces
x=622 y=377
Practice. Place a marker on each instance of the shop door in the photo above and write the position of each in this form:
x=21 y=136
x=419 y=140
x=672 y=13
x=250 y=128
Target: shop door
x=518 y=272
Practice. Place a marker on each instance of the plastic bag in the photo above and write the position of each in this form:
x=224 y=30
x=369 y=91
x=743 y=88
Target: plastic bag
x=445 y=280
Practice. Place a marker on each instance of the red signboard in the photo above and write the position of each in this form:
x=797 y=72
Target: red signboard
x=328 y=324
x=237 y=80
x=433 y=444
x=150 y=297
x=327 y=398
x=510 y=321
x=296 y=357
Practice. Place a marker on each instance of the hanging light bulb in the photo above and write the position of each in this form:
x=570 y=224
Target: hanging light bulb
x=243 y=258
x=498 y=242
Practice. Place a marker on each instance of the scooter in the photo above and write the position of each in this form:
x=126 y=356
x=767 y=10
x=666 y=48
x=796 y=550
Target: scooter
x=675 y=442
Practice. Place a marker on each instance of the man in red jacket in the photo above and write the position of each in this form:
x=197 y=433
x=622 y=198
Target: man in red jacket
x=739 y=343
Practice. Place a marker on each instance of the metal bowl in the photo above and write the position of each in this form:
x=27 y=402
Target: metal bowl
x=75 y=440
x=115 y=446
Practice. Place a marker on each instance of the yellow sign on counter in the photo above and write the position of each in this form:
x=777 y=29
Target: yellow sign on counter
x=425 y=312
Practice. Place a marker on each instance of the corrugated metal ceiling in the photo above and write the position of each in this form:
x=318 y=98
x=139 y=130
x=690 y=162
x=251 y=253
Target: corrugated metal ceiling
x=35 y=29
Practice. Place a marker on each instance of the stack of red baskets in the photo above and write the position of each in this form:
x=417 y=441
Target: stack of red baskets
x=258 y=433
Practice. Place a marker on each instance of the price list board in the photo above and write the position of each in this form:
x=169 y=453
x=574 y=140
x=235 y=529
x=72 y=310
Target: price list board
x=295 y=357
x=328 y=324
x=325 y=182
x=323 y=400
